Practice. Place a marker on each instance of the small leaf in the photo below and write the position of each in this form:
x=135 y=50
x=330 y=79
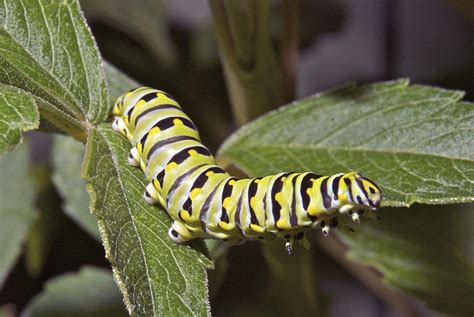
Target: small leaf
x=414 y=141
x=47 y=49
x=421 y=251
x=18 y=113
x=88 y=293
x=17 y=191
x=67 y=161
x=155 y=275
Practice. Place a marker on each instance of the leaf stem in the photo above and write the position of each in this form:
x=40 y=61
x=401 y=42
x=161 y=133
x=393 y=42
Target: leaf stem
x=368 y=276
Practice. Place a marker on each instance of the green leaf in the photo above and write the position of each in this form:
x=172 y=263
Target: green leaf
x=18 y=113
x=421 y=251
x=17 y=194
x=67 y=161
x=414 y=141
x=47 y=49
x=87 y=293
x=155 y=275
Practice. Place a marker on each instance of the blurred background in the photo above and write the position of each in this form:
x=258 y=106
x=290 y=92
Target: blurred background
x=171 y=46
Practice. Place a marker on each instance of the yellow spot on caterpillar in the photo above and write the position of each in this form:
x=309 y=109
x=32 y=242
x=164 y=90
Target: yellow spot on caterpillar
x=128 y=94
x=226 y=202
x=253 y=202
x=281 y=224
x=177 y=122
x=195 y=192
x=278 y=198
x=256 y=228
x=225 y=225
x=283 y=178
x=170 y=166
x=157 y=184
x=140 y=102
x=140 y=149
x=154 y=130
x=210 y=173
x=184 y=214
x=192 y=152
x=232 y=182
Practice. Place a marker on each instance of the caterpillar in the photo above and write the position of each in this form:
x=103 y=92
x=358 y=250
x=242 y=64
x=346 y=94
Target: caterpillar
x=204 y=201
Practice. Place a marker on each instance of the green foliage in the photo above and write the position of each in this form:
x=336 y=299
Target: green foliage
x=18 y=113
x=415 y=141
x=16 y=208
x=48 y=51
x=156 y=276
x=67 y=155
x=91 y=292
x=421 y=251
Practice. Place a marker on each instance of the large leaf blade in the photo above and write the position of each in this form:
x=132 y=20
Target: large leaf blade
x=16 y=208
x=18 y=113
x=156 y=276
x=48 y=50
x=415 y=141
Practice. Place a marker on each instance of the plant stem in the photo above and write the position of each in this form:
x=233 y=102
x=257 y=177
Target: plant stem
x=254 y=78
x=368 y=276
x=289 y=44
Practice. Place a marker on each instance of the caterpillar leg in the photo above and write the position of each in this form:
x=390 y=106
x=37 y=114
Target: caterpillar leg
x=134 y=157
x=289 y=244
x=151 y=194
x=304 y=241
x=119 y=125
x=355 y=215
x=179 y=233
x=290 y=239
x=325 y=228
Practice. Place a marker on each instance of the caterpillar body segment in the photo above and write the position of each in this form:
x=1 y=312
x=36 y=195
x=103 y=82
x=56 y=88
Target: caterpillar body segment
x=204 y=201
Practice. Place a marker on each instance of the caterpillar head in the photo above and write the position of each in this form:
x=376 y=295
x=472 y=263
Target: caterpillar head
x=364 y=193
